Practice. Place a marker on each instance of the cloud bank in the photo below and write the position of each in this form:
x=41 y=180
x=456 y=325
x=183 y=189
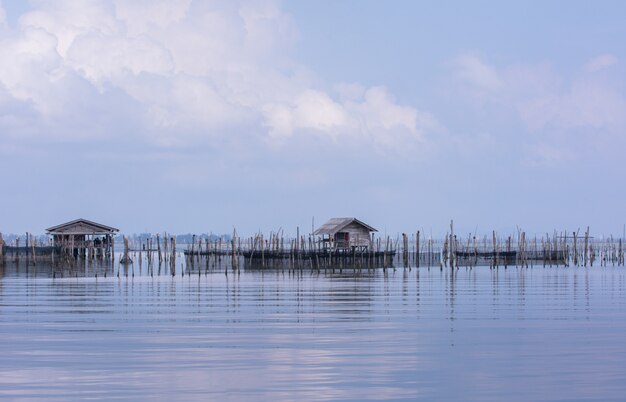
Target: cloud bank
x=564 y=116
x=545 y=99
x=178 y=73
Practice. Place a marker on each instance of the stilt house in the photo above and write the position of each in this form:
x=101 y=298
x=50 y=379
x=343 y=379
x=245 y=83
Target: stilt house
x=80 y=235
x=346 y=234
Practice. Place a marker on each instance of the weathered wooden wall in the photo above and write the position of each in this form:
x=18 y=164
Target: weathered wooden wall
x=359 y=236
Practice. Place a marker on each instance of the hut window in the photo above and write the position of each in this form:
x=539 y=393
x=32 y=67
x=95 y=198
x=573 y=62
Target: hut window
x=342 y=237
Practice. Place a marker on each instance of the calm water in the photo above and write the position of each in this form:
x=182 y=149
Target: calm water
x=481 y=334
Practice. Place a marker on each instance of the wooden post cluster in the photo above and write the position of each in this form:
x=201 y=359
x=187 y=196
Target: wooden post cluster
x=560 y=248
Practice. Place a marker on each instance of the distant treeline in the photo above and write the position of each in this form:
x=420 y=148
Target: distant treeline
x=180 y=238
x=40 y=240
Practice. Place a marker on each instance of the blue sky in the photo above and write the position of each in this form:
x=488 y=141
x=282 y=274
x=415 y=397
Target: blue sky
x=198 y=116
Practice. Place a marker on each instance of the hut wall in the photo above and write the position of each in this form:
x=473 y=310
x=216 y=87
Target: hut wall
x=359 y=235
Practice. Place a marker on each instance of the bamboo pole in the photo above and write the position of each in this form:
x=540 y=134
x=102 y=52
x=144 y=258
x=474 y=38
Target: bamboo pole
x=233 y=262
x=33 y=247
x=586 y=254
x=495 y=251
x=405 y=251
x=173 y=256
x=444 y=253
x=417 y=249
x=575 y=235
x=126 y=256
x=451 y=244
x=158 y=239
x=475 y=250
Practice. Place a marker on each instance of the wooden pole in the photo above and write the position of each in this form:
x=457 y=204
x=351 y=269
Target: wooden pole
x=233 y=262
x=475 y=250
x=165 y=241
x=33 y=246
x=495 y=251
x=586 y=254
x=451 y=244
x=173 y=258
x=405 y=252
x=126 y=257
x=575 y=249
x=417 y=249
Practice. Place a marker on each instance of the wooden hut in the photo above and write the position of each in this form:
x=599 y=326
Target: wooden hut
x=81 y=236
x=346 y=234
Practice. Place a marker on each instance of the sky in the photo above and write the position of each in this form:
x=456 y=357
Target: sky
x=193 y=116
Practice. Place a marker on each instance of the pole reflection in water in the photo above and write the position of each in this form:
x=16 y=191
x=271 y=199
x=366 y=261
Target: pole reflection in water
x=206 y=333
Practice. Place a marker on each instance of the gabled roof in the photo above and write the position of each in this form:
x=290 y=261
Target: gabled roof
x=335 y=225
x=81 y=227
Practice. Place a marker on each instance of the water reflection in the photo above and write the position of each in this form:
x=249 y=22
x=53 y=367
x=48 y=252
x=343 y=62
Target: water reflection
x=107 y=332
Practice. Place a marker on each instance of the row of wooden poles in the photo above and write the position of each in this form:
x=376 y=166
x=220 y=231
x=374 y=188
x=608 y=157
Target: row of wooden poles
x=559 y=249
x=30 y=249
x=453 y=251
x=280 y=251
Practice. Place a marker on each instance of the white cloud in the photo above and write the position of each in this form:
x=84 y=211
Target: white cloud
x=108 y=59
x=585 y=104
x=559 y=118
x=68 y=19
x=544 y=100
x=316 y=110
x=381 y=112
x=195 y=71
x=372 y=116
x=310 y=110
x=601 y=62
x=143 y=16
x=31 y=67
x=349 y=91
x=3 y=16
x=474 y=71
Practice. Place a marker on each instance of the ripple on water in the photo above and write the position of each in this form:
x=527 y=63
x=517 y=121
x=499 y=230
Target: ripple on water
x=477 y=334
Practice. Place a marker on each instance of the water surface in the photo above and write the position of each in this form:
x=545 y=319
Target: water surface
x=471 y=334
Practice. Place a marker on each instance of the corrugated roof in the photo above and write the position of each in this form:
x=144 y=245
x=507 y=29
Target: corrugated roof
x=335 y=225
x=81 y=226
